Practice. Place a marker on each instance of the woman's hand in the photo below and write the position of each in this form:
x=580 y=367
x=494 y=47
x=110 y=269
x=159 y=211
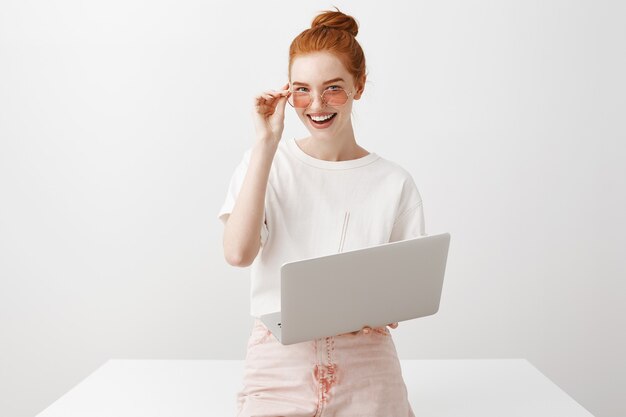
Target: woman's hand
x=368 y=329
x=269 y=114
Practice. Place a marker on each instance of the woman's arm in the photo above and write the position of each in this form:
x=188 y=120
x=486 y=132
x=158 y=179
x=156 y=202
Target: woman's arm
x=243 y=226
x=242 y=233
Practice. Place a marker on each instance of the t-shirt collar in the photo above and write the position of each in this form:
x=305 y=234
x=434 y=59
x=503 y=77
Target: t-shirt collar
x=320 y=163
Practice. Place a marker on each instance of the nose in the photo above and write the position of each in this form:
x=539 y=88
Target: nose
x=317 y=103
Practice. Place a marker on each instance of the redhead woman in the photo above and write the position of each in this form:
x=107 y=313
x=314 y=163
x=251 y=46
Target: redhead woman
x=291 y=199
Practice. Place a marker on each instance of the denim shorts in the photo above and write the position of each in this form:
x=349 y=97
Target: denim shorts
x=346 y=375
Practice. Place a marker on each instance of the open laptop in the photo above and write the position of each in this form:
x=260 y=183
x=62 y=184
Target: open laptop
x=374 y=286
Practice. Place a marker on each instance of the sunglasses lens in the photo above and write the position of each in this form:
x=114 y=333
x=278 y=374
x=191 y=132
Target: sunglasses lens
x=299 y=99
x=335 y=97
x=302 y=99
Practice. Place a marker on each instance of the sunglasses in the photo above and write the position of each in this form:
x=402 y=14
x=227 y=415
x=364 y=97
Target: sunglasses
x=333 y=98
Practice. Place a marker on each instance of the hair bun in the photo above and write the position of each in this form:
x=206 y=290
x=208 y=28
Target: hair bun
x=336 y=20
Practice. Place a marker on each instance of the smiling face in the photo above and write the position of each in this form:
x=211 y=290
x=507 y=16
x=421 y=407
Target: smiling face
x=310 y=73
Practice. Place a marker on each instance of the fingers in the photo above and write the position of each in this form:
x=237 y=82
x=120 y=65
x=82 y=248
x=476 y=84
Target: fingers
x=369 y=329
x=270 y=97
x=365 y=329
x=280 y=93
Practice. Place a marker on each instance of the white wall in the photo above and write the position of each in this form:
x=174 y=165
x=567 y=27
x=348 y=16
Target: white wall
x=121 y=123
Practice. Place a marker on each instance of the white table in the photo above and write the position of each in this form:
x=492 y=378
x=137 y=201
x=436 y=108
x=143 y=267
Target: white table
x=189 y=388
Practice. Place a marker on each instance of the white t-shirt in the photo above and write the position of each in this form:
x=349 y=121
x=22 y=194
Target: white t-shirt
x=315 y=207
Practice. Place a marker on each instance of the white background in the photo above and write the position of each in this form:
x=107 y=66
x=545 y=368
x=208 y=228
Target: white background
x=122 y=121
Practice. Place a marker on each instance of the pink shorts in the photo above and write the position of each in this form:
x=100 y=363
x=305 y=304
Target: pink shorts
x=347 y=375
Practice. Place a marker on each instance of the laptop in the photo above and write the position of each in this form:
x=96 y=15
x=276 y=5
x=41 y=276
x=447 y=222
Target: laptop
x=373 y=286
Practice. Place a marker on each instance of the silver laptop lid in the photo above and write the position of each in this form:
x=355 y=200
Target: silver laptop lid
x=373 y=286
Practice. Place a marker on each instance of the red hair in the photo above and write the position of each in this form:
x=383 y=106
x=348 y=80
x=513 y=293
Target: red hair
x=333 y=32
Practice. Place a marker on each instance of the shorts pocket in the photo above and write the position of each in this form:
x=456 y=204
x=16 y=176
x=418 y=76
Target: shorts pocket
x=258 y=334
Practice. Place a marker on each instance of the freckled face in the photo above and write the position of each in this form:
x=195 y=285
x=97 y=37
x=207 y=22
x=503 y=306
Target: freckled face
x=314 y=70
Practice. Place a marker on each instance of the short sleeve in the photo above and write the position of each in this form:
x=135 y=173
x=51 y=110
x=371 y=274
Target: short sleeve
x=409 y=222
x=236 y=181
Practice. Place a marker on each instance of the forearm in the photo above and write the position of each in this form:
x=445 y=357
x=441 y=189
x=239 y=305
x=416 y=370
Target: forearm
x=243 y=228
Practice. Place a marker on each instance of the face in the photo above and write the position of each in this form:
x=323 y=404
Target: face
x=309 y=73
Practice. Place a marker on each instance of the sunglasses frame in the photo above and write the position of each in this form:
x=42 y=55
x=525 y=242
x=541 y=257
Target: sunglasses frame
x=348 y=93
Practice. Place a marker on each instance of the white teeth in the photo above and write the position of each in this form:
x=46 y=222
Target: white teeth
x=322 y=118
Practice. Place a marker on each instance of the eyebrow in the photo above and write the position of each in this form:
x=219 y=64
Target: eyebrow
x=325 y=82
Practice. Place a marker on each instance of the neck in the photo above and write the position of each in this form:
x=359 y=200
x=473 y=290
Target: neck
x=342 y=147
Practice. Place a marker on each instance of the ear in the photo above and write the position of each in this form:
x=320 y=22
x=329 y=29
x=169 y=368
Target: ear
x=359 y=89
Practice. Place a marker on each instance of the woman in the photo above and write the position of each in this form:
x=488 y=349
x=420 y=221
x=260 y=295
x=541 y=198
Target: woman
x=293 y=199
